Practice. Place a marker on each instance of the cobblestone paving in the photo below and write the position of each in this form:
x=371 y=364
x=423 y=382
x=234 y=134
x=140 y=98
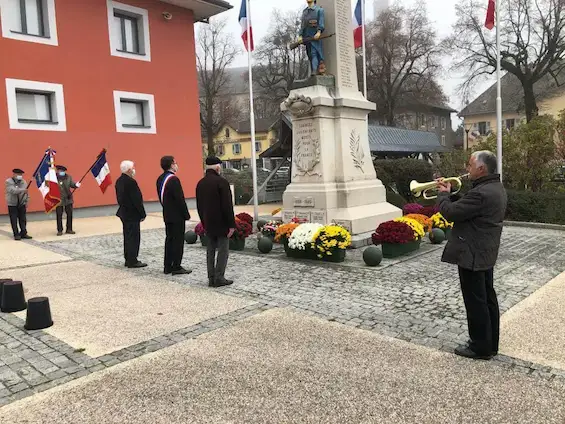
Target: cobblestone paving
x=416 y=299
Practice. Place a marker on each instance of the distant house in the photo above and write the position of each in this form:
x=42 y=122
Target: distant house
x=480 y=115
x=233 y=142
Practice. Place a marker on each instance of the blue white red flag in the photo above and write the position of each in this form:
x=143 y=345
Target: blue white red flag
x=243 y=18
x=46 y=180
x=358 y=22
x=101 y=171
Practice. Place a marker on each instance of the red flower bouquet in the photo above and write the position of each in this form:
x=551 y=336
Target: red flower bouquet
x=410 y=208
x=298 y=221
x=242 y=229
x=199 y=229
x=393 y=232
x=429 y=210
x=244 y=216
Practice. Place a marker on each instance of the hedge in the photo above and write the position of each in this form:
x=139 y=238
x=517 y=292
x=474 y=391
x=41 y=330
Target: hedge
x=400 y=172
x=530 y=206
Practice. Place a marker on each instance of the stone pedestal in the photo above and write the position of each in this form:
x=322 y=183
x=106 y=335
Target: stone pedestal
x=333 y=177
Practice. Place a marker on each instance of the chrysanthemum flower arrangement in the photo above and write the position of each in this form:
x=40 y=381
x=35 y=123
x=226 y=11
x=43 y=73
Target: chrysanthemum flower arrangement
x=438 y=221
x=329 y=238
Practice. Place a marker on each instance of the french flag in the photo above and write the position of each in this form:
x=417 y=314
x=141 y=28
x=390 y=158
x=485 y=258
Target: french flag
x=358 y=25
x=46 y=181
x=243 y=19
x=101 y=171
x=489 y=21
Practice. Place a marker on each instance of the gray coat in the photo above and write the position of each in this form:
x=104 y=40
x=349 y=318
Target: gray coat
x=15 y=192
x=477 y=224
x=66 y=183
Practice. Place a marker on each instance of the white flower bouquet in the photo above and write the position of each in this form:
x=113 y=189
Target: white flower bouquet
x=303 y=236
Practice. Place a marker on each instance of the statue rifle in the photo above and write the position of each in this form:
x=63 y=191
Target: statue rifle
x=294 y=45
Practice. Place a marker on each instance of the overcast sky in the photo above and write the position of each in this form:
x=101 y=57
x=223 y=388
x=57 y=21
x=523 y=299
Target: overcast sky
x=441 y=13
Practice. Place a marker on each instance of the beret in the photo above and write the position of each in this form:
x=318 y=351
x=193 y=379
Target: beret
x=213 y=160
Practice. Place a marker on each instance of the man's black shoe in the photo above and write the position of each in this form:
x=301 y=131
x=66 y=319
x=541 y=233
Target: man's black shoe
x=494 y=352
x=167 y=271
x=18 y=237
x=220 y=282
x=181 y=271
x=137 y=265
x=59 y=233
x=27 y=237
x=70 y=232
x=468 y=353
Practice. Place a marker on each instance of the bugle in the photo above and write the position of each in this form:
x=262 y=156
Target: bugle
x=421 y=189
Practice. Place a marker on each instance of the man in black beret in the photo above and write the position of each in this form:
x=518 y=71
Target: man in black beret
x=17 y=198
x=65 y=184
x=215 y=208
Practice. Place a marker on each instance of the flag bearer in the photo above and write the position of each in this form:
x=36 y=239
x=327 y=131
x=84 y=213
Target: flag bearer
x=66 y=183
x=17 y=199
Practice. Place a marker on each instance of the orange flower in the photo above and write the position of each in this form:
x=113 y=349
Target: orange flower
x=422 y=219
x=285 y=231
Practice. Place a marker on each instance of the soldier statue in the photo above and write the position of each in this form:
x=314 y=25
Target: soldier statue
x=311 y=30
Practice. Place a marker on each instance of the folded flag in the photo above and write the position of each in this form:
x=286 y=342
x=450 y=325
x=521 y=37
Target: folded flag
x=243 y=18
x=46 y=180
x=101 y=171
x=358 y=25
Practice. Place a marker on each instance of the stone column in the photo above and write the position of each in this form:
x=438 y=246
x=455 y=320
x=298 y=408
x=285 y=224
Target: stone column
x=333 y=178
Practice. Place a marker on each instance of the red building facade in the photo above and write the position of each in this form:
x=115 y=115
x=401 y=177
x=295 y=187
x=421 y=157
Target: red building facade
x=82 y=75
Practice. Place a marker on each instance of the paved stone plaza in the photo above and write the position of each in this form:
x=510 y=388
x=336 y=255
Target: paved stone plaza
x=106 y=316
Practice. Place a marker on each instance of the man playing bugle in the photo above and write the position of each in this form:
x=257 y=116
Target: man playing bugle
x=473 y=246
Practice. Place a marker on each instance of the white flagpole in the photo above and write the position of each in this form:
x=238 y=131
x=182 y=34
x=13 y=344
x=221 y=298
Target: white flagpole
x=363 y=21
x=252 y=117
x=498 y=94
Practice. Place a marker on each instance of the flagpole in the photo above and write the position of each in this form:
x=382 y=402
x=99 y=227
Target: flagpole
x=90 y=169
x=498 y=95
x=363 y=21
x=252 y=116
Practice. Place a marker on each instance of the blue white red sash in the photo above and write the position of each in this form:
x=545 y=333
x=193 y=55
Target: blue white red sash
x=162 y=189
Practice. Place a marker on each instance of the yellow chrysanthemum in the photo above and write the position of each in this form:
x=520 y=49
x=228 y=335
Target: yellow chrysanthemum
x=415 y=225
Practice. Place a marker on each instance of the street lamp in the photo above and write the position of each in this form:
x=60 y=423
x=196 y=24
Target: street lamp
x=466 y=142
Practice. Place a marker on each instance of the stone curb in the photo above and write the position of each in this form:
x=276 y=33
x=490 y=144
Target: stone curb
x=540 y=225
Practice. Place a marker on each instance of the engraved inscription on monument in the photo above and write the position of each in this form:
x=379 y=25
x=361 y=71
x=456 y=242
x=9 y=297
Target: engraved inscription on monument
x=305 y=202
x=307 y=148
x=303 y=216
x=288 y=216
x=343 y=223
x=345 y=48
x=319 y=217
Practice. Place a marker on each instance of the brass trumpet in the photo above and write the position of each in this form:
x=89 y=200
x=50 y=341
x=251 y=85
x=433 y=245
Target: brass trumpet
x=419 y=189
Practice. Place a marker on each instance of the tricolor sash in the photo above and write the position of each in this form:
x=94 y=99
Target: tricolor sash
x=162 y=188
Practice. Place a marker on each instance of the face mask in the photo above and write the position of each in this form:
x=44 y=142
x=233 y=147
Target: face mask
x=19 y=177
x=133 y=173
x=175 y=167
x=62 y=174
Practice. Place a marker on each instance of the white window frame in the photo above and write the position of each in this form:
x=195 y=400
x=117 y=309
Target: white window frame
x=57 y=105
x=149 y=112
x=258 y=146
x=443 y=140
x=143 y=20
x=49 y=23
x=443 y=122
x=238 y=149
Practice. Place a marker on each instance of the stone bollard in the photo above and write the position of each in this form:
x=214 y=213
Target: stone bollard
x=2 y=281
x=13 y=298
x=38 y=314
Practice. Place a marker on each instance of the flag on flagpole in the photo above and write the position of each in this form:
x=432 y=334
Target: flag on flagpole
x=101 y=171
x=358 y=23
x=489 y=22
x=46 y=180
x=243 y=17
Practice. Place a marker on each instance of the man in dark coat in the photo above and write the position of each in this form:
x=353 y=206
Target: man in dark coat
x=473 y=246
x=175 y=215
x=66 y=183
x=17 y=198
x=215 y=208
x=131 y=211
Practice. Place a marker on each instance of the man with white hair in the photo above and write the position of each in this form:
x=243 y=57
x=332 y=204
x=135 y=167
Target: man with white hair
x=473 y=246
x=131 y=212
x=215 y=208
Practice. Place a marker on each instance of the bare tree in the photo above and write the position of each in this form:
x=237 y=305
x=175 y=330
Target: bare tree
x=216 y=51
x=279 y=66
x=532 y=44
x=402 y=59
